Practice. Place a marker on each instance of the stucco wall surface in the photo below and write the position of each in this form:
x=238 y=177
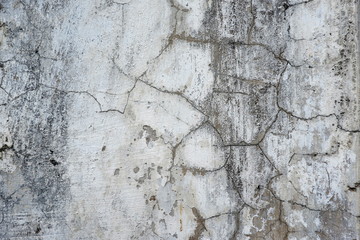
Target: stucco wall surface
x=179 y=119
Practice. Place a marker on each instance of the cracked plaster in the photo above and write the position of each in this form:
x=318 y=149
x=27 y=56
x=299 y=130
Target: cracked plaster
x=179 y=119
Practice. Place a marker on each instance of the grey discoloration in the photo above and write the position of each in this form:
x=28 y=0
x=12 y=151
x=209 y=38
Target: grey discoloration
x=35 y=191
x=150 y=134
x=179 y=119
x=224 y=15
x=39 y=138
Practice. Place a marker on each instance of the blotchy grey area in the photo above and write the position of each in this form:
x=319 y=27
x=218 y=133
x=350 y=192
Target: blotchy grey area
x=179 y=119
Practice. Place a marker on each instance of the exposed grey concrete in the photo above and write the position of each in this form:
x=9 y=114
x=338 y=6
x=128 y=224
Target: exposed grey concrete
x=175 y=119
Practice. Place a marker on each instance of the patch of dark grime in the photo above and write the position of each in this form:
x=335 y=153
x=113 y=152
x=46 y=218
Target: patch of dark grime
x=54 y=162
x=39 y=135
x=194 y=171
x=5 y=147
x=286 y=6
x=159 y=169
x=141 y=180
x=200 y=227
x=150 y=134
x=116 y=172
x=38 y=230
x=136 y=169
x=103 y=148
x=354 y=187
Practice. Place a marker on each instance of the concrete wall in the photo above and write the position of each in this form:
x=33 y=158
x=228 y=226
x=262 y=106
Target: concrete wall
x=176 y=119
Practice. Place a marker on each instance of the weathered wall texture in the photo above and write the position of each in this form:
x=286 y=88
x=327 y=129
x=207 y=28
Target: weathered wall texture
x=176 y=119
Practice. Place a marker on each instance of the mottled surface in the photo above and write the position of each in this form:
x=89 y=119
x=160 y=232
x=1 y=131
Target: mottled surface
x=175 y=119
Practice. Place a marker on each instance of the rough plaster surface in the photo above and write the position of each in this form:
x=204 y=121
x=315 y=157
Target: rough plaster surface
x=179 y=119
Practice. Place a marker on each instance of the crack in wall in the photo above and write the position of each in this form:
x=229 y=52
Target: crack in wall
x=34 y=64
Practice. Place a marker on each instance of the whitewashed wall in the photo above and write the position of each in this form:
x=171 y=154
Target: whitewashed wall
x=175 y=119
